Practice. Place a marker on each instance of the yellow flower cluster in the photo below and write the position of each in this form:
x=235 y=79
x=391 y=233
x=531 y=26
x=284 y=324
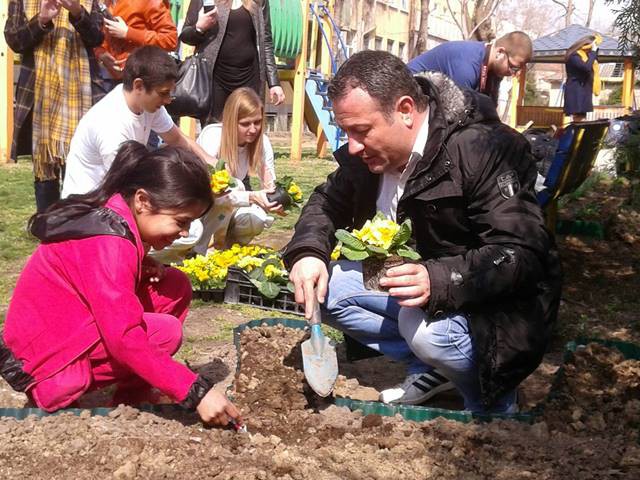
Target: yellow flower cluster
x=335 y=255
x=379 y=232
x=295 y=192
x=273 y=272
x=210 y=272
x=220 y=181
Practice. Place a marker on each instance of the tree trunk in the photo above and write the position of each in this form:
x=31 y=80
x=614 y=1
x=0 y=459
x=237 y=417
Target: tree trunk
x=337 y=17
x=590 y=14
x=423 y=30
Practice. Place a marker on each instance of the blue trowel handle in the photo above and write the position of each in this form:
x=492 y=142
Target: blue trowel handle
x=317 y=337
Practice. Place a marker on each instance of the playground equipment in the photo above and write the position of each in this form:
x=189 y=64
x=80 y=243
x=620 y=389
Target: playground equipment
x=551 y=49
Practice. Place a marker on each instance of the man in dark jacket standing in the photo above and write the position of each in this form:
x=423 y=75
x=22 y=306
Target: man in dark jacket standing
x=480 y=305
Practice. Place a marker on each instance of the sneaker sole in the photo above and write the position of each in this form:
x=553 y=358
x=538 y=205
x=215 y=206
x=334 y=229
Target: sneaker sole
x=430 y=394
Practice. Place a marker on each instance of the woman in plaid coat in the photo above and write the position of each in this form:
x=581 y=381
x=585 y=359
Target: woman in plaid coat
x=55 y=39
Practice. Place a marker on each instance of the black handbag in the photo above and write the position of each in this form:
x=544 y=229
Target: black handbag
x=193 y=88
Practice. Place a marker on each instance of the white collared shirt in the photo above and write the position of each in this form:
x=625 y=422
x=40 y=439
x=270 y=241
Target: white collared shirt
x=393 y=182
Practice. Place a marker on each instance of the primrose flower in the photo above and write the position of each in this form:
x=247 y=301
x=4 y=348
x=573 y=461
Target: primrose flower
x=295 y=192
x=379 y=232
x=335 y=255
x=271 y=271
x=220 y=181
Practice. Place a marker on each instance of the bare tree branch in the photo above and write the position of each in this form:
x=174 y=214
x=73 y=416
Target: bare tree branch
x=558 y=2
x=455 y=19
x=486 y=17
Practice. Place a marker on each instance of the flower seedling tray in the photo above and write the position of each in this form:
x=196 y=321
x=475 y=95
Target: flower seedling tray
x=214 y=295
x=240 y=290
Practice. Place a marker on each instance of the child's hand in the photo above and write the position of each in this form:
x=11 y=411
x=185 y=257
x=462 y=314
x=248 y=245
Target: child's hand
x=152 y=270
x=216 y=409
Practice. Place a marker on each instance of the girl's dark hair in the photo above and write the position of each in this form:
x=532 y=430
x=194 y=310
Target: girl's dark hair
x=173 y=177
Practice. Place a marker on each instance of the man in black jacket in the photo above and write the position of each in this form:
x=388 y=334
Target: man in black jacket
x=480 y=305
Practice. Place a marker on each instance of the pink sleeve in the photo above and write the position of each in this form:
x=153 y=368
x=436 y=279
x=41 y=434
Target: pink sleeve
x=107 y=278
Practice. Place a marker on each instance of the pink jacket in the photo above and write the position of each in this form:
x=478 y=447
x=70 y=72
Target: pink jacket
x=73 y=293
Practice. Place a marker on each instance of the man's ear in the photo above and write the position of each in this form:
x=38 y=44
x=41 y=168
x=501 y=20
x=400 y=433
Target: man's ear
x=141 y=201
x=406 y=107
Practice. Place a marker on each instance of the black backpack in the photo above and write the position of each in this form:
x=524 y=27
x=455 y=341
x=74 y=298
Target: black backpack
x=543 y=148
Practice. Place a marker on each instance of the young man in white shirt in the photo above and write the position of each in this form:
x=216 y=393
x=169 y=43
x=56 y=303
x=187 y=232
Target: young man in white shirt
x=129 y=112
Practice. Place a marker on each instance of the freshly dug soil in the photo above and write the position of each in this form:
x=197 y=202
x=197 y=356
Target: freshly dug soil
x=295 y=435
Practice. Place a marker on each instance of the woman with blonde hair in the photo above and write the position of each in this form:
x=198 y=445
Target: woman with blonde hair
x=235 y=37
x=583 y=77
x=241 y=214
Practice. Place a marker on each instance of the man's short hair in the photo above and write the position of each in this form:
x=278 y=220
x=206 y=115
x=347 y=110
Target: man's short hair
x=382 y=75
x=517 y=43
x=152 y=65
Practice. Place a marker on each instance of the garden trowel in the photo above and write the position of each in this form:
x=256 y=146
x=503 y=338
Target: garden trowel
x=319 y=358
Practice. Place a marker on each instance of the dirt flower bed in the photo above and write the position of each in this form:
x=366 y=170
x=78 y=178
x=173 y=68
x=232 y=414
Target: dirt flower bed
x=293 y=435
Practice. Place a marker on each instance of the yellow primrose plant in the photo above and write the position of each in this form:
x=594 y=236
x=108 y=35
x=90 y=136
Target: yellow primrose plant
x=287 y=193
x=270 y=277
x=379 y=238
x=221 y=179
x=210 y=272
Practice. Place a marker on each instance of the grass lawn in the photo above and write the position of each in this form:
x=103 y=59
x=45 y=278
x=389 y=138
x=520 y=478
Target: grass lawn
x=16 y=195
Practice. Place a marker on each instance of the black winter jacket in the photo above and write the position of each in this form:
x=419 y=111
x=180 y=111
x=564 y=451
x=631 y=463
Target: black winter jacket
x=476 y=224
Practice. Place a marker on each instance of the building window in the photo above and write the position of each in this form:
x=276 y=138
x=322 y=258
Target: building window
x=378 y=43
x=391 y=45
x=402 y=51
x=366 y=42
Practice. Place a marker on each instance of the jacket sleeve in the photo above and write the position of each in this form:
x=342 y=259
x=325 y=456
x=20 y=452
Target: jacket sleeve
x=189 y=34
x=160 y=29
x=328 y=209
x=576 y=62
x=269 y=59
x=21 y=34
x=513 y=241
x=108 y=284
x=89 y=26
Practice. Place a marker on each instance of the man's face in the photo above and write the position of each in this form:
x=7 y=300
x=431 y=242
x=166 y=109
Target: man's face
x=159 y=96
x=382 y=143
x=505 y=65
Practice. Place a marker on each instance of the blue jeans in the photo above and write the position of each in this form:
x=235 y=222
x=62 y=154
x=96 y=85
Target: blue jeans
x=406 y=334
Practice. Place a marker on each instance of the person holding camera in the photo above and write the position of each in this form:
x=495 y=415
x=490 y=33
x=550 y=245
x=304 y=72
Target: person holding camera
x=129 y=24
x=235 y=37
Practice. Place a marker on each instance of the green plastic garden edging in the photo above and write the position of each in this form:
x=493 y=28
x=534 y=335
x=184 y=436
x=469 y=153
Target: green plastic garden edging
x=408 y=412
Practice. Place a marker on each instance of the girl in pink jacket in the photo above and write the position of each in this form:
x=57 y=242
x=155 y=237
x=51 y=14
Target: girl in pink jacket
x=90 y=310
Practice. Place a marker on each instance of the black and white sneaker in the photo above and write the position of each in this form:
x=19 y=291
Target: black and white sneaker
x=417 y=388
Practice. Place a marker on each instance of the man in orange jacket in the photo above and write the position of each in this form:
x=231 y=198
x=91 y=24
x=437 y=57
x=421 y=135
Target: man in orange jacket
x=135 y=23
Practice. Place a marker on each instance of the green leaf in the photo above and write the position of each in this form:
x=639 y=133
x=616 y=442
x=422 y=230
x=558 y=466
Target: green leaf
x=408 y=252
x=354 y=255
x=291 y=287
x=257 y=274
x=379 y=251
x=220 y=165
x=349 y=240
x=402 y=236
x=269 y=289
